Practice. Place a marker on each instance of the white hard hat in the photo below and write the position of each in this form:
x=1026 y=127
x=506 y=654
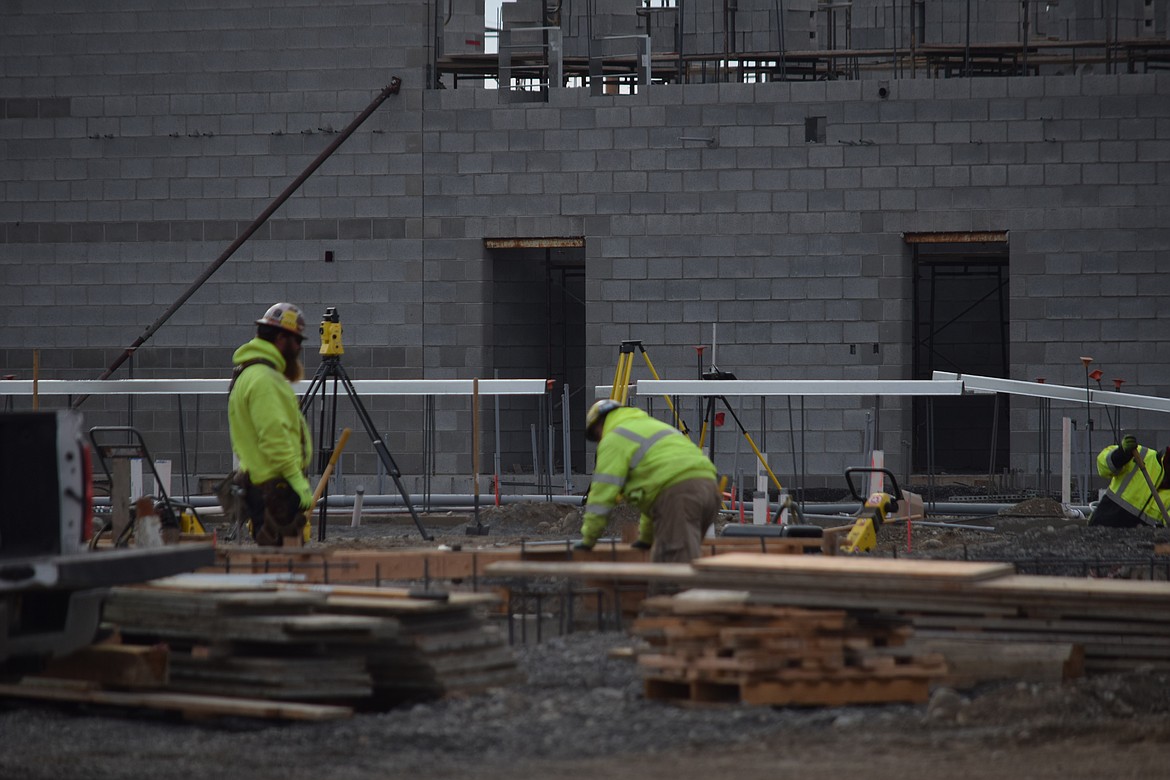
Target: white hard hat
x=597 y=413
x=285 y=316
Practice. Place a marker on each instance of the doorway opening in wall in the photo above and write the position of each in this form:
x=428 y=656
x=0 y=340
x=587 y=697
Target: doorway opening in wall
x=538 y=331
x=960 y=325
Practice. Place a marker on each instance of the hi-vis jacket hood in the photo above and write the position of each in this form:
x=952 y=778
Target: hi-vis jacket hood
x=269 y=434
x=637 y=457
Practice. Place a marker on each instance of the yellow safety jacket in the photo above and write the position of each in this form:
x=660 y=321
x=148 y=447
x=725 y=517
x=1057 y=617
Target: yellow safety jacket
x=637 y=457
x=1129 y=489
x=268 y=432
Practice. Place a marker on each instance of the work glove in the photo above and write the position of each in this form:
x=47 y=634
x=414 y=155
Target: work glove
x=1129 y=444
x=640 y=545
x=583 y=546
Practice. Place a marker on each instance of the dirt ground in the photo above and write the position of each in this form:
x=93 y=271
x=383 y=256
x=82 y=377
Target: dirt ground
x=581 y=713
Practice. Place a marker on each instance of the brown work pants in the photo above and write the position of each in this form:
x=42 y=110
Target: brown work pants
x=682 y=513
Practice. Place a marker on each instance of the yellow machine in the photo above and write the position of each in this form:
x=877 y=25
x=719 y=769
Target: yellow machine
x=873 y=513
x=330 y=331
x=189 y=523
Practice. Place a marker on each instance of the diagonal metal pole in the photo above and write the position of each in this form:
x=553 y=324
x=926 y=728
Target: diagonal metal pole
x=387 y=91
x=1141 y=464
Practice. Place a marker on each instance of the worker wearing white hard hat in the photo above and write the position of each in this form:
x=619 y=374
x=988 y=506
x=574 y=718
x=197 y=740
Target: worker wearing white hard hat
x=655 y=467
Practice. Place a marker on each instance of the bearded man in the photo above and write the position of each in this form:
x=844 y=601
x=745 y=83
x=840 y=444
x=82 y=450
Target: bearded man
x=269 y=434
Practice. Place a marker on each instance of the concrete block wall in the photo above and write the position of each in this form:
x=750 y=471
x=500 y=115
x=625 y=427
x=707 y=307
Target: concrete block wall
x=786 y=253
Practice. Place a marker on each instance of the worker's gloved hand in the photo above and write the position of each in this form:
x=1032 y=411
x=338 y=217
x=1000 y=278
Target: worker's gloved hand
x=640 y=545
x=583 y=546
x=1129 y=444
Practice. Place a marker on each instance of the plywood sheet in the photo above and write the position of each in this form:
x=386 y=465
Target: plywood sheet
x=852 y=568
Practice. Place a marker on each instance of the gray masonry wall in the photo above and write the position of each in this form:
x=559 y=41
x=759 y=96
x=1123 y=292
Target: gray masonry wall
x=136 y=143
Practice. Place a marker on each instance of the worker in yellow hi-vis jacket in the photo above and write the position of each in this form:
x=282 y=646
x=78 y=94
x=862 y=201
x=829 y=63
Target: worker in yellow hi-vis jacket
x=268 y=433
x=1129 y=502
x=655 y=467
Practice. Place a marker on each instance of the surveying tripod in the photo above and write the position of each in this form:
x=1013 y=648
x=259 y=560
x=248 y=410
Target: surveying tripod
x=709 y=421
x=331 y=368
x=621 y=379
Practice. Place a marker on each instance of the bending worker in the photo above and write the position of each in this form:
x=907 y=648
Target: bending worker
x=268 y=432
x=658 y=469
x=1129 y=502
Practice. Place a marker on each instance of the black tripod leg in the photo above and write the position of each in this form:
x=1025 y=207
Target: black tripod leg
x=325 y=451
x=380 y=448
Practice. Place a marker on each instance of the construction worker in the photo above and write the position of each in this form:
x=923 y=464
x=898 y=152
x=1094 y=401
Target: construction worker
x=658 y=469
x=268 y=432
x=1129 y=502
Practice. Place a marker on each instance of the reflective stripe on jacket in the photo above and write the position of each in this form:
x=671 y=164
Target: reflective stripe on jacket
x=268 y=432
x=637 y=457
x=1129 y=489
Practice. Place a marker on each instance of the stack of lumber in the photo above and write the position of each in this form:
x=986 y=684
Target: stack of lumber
x=251 y=641
x=444 y=646
x=715 y=646
x=987 y=621
x=254 y=645
x=1115 y=625
x=361 y=645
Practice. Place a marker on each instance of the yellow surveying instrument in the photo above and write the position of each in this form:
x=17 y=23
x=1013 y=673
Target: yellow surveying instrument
x=621 y=378
x=330 y=331
x=331 y=369
x=874 y=511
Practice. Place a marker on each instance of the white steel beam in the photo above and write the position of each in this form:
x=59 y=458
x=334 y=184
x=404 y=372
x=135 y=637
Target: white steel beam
x=811 y=387
x=364 y=387
x=990 y=384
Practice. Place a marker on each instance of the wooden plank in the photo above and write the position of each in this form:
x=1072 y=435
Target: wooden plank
x=455 y=598
x=186 y=704
x=836 y=693
x=854 y=568
x=1090 y=594
x=137 y=667
x=1053 y=624
x=680 y=573
x=974 y=661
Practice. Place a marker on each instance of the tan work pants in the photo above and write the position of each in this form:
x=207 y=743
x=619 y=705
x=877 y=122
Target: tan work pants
x=682 y=514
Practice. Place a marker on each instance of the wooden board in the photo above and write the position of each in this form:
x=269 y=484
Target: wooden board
x=186 y=704
x=824 y=693
x=680 y=573
x=137 y=667
x=971 y=661
x=841 y=569
x=1145 y=593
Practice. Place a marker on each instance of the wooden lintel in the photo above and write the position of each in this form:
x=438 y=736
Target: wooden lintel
x=547 y=242
x=978 y=237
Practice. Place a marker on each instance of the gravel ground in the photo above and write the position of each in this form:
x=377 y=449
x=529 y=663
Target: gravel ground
x=582 y=713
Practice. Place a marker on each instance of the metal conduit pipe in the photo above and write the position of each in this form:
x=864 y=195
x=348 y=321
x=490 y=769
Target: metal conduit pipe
x=936 y=508
x=436 y=499
x=452 y=499
x=962 y=508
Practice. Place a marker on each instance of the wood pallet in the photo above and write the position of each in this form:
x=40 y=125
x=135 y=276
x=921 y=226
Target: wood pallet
x=815 y=693
x=715 y=646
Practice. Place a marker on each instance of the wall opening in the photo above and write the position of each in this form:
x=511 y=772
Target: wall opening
x=961 y=325
x=538 y=331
